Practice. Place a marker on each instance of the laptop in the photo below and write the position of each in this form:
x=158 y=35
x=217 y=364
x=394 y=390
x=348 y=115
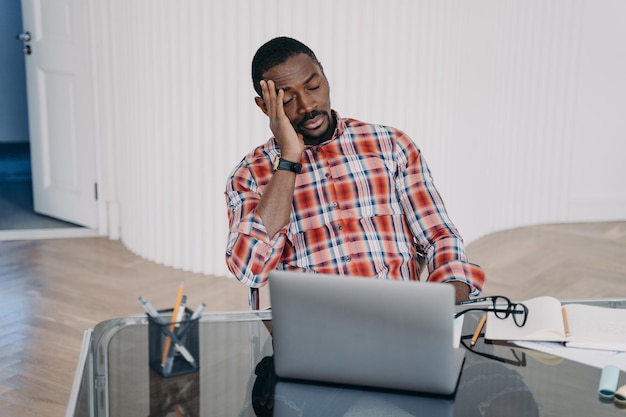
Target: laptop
x=361 y=331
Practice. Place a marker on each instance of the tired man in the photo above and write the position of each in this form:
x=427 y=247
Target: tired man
x=334 y=195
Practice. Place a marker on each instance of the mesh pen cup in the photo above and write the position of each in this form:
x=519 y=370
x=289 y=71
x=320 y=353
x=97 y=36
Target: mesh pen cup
x=173 y=347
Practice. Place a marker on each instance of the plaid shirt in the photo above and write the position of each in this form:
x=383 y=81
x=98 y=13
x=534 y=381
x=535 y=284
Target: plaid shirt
x=364 y=205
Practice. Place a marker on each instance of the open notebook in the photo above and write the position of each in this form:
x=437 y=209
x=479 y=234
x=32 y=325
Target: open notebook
x=363 y=331
x=575 y=325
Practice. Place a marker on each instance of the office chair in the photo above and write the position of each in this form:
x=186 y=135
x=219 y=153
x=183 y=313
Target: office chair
x=253 y=299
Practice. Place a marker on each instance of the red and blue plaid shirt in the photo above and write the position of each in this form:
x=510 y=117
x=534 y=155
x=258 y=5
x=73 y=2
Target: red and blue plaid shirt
x=364 y=205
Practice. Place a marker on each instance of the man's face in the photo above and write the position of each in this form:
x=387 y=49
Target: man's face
x=306 y=97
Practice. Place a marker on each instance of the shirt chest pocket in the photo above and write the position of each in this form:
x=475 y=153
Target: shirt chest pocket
x=357 y=187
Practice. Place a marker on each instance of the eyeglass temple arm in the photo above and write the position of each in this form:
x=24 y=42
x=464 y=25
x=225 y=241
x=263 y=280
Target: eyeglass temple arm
x=489 y=310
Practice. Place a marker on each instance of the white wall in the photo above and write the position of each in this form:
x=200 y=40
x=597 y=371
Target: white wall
x=518 y=106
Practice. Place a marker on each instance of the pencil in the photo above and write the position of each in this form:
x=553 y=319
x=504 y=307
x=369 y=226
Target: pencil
x=168 y=340
x=479 y=329
x=565 y=322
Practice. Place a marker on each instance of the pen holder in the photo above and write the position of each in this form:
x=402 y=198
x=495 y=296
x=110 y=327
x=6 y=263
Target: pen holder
x=179 y=341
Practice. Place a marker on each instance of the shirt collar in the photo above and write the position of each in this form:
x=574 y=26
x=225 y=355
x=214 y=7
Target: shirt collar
x=341 y=125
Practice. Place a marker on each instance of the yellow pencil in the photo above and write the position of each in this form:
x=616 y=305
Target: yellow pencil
x=479 y=329
x=565 y=323
x=168 y=340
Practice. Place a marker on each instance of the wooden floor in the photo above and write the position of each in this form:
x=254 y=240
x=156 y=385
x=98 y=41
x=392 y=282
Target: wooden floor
x=51 y=290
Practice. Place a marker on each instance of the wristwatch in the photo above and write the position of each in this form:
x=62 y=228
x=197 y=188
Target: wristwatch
x=283 y=164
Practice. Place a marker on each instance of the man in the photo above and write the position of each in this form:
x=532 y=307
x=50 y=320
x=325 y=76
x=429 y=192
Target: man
x=333 y=195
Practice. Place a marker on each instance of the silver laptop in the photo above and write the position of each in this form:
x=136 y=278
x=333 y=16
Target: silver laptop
x=363 y=331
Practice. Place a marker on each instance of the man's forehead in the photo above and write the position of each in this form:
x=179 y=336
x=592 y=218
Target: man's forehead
x=296 y=70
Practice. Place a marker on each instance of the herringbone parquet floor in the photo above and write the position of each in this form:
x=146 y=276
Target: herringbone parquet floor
x=51 y=290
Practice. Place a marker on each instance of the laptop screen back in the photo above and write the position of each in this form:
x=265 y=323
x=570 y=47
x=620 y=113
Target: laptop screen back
x=363 y=331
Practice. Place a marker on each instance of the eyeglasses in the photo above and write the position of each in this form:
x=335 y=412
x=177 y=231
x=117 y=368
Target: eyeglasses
x=502 y=308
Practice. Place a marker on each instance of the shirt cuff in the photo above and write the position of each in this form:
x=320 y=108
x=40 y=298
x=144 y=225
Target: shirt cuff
x=471 y=274
x=251 y=253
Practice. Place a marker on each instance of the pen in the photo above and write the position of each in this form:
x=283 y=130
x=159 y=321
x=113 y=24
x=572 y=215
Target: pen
x=179 y=346
x=149 y=309
x=183 y=351
x=479 y=329
x=181 y=310
x=198 y=311
x=169 y=361
x=565 y=323
x=193 y=317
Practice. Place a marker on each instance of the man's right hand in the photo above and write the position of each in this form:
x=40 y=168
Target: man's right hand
x=275 y=205
x=291 y=144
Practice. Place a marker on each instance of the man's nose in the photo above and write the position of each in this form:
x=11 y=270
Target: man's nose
x=305 y=104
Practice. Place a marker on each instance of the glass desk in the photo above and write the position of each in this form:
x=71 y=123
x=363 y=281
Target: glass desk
x=114 y=379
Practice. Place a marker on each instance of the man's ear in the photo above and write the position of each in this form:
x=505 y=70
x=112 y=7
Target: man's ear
x=322 y=70
x=261 y=104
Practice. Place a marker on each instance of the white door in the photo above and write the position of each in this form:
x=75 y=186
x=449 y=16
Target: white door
x=60 y=109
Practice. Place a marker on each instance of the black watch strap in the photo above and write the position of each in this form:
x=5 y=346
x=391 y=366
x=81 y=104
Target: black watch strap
x=283 y=164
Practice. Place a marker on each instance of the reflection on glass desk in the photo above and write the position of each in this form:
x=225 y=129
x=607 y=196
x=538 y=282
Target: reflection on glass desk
x=236 y=379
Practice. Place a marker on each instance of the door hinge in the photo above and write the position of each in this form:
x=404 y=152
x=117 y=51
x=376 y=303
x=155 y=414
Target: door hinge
x=95 y=190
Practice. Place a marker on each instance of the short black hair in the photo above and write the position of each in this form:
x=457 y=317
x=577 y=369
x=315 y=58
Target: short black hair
x=275 y=52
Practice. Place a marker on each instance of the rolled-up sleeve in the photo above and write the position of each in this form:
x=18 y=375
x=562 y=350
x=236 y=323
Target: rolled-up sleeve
x=250 y=252
x=429 y=222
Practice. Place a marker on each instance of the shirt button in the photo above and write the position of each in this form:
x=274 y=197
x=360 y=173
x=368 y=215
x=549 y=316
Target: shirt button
x=347 y=258
x=339 y=227
x=327 y=175
x=318 y=150
x=334 y=205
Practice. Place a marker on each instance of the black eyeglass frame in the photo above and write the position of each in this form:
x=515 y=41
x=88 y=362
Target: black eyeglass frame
x=512 y=309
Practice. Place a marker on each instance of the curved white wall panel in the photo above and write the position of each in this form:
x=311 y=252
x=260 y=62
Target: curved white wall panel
x=519 y=107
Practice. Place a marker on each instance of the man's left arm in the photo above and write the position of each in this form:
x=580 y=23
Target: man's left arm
x=461 y=291
x=429 y=222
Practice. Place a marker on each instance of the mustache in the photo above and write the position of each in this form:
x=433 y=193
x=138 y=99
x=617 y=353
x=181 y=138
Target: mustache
x=311 y=115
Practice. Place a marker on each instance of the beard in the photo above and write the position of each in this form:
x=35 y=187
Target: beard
x=310 y=139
